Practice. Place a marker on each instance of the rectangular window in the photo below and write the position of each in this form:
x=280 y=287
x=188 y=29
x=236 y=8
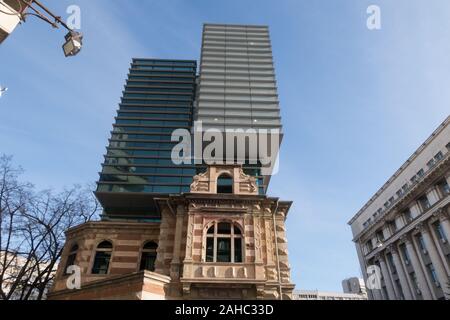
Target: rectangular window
x=209 y=249
x=237 y=250
x=424 y=203
x=443 y=187
x=440 y=232
x=391 y=263
x=405 y=188
x=431 y=163
x=148 y=261
x=399 y=289
x=101 y=263
x=438 y=156
x=422 y=244
x=433 y=274
x=223 y=249
x=369 y=245
x=405 y=254
x=414 y=280
x=393 y=226
x=380 y=235
x=408 y=216
x=70 y=261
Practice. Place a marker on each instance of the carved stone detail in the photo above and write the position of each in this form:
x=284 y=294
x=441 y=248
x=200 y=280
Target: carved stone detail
x=422 y=228
x=207 y=182
x=441 y=214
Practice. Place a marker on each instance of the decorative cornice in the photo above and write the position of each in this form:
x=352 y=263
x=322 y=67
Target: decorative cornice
x=392 y=248
x=421 y=227
x=379 y=256
x=442 y=214
x=443 y=125
x=405 y=239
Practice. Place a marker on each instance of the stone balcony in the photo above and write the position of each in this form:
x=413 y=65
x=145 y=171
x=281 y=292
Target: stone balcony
x=220 y=272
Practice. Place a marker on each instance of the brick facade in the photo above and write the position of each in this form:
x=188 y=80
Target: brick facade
x=181 y=270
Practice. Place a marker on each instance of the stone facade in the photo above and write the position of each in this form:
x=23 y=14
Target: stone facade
x=182 y=269
x=404 y=230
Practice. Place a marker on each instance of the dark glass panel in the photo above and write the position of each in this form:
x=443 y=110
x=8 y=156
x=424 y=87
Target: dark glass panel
x=238 y=250
x=148 y=261
x=150 y=245
x=223 y=249
x=224 y=228
x=70 y=261
x=166 y=189
x=105 y=245
x=209 y=249
x=101 y=262
x=224 y=184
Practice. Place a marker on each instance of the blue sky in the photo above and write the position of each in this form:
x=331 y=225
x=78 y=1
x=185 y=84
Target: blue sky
x=355 y=103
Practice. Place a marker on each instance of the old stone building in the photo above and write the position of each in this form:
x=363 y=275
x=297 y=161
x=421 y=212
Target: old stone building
x=221 y=240
x=404 y=229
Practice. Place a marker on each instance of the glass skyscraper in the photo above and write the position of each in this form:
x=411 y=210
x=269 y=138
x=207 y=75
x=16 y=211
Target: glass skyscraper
x=235 y=89
x=237 y=85
x=158 y=99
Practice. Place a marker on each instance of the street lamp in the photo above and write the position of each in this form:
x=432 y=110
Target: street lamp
x=14 y=11
x=73 y=44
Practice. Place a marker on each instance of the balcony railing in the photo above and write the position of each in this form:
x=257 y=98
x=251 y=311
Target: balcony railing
x=219 y=271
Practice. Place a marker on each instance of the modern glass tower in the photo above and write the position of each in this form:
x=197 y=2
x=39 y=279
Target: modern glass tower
x=237 y=86
x=200 y=230
x=158 y=99
x=235 y=89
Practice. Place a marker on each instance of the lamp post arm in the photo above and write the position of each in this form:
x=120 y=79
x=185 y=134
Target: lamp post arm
x=41 y=16
x=57 y=19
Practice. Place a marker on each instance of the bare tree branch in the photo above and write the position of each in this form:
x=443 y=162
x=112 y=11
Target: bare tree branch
x=32 y=231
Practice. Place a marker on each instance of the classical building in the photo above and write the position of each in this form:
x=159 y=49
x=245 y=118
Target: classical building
x=211 y=243
x=402 y=233
x=191 y=230
x=325 y=295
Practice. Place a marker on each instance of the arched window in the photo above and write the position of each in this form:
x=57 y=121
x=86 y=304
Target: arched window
x=71 y=257
x=225 y=184
x=148 y=256
x=102 y=258
x=224 y=243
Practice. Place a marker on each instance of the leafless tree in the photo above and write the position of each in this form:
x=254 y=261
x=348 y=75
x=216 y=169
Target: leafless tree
x=32 y=226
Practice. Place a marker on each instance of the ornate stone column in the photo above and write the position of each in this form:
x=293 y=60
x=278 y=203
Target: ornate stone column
x=421 y=279
x=434 y=255
x=386 y=277
x=401 y=274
